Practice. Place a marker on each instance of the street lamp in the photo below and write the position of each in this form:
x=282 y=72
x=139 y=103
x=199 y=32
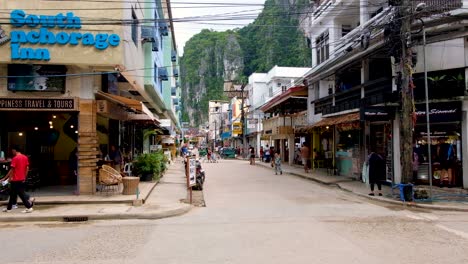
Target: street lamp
x=419 y=8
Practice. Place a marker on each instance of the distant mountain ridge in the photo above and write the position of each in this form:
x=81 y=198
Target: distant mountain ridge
x=211 y=58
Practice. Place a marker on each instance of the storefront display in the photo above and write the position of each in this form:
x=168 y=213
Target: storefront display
x=348 y=141
x=445 y=145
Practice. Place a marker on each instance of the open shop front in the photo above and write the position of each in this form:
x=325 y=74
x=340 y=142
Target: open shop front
x=46 y=130
x=445 y=144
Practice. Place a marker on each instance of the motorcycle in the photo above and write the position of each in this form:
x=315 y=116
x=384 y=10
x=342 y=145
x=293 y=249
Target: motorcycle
x=200 y=177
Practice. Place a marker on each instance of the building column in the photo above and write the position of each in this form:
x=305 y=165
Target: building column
x=396 y=150
x=364 y=75
x=291 y=149
x=364 y=11
x=259 y=143
x=281 y=148
x=465 y=143
x=88 y=147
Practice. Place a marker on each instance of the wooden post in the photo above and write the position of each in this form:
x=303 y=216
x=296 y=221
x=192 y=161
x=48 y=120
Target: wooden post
x=88 y=147
x=187 y=174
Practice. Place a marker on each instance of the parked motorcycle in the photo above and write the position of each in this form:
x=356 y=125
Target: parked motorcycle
x=200 y=177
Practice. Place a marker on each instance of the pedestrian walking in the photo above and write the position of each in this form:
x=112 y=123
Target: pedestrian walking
x=17 y=177
x=272 y=154
x=376 y=172
x=305 y=153
x=267 y=154
x=278 y=163
x=252 y=155
x=261 y=153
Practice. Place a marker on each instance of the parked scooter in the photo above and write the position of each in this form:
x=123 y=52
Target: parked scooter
x=200 y=177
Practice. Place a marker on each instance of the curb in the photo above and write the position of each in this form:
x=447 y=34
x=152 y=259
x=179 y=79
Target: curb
x=95 y=216
x=128 y=202
x=377 y=199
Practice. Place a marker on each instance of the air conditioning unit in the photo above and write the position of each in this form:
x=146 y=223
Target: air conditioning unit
x=162 y=73
x=163 y=28
x=147 y=34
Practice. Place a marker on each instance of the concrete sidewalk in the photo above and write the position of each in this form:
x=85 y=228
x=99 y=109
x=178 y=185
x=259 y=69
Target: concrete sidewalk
x=163 y=201
x=361 y=189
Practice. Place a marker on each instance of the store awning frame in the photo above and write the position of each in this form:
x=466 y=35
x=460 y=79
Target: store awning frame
x=140 y=111
x=331 y=121
x=296 y=92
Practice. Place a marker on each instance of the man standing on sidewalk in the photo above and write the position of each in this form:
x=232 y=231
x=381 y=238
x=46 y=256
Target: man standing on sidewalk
x=17 y=177
x=305 y=153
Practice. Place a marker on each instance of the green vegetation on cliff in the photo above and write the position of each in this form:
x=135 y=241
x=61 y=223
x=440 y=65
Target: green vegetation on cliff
x=211 y=57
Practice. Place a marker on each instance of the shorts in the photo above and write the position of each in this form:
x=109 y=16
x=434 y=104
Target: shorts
x=252 y=156
x=304 y=161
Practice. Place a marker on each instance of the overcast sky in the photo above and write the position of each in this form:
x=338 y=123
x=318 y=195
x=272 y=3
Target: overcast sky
x=214 y=9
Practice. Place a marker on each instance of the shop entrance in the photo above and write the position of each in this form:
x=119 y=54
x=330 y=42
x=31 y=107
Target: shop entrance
x=49 y=139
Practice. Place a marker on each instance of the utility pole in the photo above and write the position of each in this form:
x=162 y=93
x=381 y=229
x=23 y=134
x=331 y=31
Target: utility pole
x=244 y=136
x=407 y=100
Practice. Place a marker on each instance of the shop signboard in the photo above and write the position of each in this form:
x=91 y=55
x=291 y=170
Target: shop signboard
x=165 y=122
x=192 y=172
x=378 y=113
x=39 y=78
x=57 y=104
x=439 y=112
x=33 y=34
x=237 y=128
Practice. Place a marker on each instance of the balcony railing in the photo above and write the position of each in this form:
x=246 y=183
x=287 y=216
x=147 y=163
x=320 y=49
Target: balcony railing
x=439 y=5
x=321 y=6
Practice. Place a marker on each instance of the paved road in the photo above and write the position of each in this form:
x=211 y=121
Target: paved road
x=253 y=216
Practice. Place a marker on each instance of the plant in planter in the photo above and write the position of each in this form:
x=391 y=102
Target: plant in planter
x=146 y=165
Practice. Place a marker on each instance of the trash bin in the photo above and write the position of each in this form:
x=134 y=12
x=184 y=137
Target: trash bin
x=130 y=185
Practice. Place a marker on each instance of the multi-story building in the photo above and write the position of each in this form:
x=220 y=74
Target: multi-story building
x=354 y=85
x=75 y=82
x=273 y=105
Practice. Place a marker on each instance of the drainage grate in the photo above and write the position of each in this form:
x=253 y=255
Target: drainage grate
x=75 y=219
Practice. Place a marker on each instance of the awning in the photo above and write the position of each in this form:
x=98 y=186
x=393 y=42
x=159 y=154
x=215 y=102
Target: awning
x=225 y=135
x=122 y=101
x=299 y=92
x=330 y=121
x=140 y=111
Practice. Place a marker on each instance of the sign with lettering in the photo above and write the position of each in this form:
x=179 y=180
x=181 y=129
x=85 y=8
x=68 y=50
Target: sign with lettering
x=44 y=36
x=379 y=113
x=439 y=112
x=37 y=104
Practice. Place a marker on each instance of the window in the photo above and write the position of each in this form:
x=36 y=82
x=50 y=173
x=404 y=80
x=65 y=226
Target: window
x=284 y=88
x=270 y=92
x=345 y=29
x=134 y=28
x=322 y=47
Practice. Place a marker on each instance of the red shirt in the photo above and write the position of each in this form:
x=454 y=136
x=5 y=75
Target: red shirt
x=20 y=162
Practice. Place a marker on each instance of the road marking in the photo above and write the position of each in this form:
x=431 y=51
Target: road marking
x=429 y=216
x=453 y=231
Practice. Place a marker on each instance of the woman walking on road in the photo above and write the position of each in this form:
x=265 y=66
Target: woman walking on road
x=376 y=172
x=278 y=163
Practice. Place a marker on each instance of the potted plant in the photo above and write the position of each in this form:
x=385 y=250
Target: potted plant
x=146 y=165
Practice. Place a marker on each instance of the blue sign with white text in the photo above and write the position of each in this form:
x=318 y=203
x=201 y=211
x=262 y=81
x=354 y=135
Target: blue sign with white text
x=44 y=36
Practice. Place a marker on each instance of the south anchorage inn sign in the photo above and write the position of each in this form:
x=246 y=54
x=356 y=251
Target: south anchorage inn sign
x=35 y=30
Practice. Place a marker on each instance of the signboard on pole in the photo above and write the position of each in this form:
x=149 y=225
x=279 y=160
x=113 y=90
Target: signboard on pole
x=237 y=128
x=192 y=172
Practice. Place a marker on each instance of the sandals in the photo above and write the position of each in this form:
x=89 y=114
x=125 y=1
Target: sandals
x=371 y=194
